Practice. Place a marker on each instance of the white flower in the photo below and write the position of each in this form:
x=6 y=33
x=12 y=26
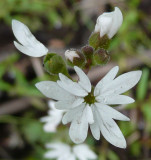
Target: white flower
x=29 y=45
x=88 y=106
x=109 y=23
x=70 y=55
x=53 y=119
x=62 y=151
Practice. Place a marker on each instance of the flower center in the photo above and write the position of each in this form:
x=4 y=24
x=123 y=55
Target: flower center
x=90 y=99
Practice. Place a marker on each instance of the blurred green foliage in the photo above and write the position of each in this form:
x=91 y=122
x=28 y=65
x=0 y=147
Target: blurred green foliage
x=130 y=41
x=34 y=12
x=21 y=86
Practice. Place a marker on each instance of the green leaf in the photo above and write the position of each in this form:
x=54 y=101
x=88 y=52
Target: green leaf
x=143 y=85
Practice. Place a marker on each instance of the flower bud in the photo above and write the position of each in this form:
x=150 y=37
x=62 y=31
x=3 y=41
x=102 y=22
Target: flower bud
x=88 y=52
x=101 y=57
x=54 y=64
x=108 y=23
x=99 y=42
x=75 y=58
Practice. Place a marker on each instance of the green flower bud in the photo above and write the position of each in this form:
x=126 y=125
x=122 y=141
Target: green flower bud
x=75 y=58
x=101 y=57
x=98 y=42
x=54 y=64
x=88 y=52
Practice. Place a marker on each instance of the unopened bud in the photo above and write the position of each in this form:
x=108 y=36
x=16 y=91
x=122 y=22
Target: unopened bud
x=88 y=52
x=98 y=42
x=54 y=64
x=101 y=57
x=75 y=58
x=109 y=23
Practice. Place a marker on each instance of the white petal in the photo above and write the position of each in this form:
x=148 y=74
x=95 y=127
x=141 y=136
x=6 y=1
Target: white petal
x=52 y=120
x=22 y=32
x=51 y=104
x=83 y=152
x=69 y=104
x=70 y=86
x=84 y=81
x=89 y=114
x=57 y=146
x=71 y=157
x=52 y=90
x=31 y=46
x=78 y=101
x=72 y=114
x=30 y=51
x=111 y=131
x=45 y=119
x=50 y=127
x=95 y=126
x=66 y=156
x=51 y=154
x=111 y=112
x=59 y=150
x=103 y=24
x=109 y=23
x=116 y=22
x=79 y=128
x=63 y=105
x=122 y=83
x=107 y=79
x=114 y=99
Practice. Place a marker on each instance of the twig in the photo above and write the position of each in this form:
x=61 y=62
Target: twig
x=14 y=106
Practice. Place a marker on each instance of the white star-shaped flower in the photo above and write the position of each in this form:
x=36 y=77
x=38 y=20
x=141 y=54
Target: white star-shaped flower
x=62 y=151
x=109 y=22
x=53 y=119
x=29 y=45
x=87 y=106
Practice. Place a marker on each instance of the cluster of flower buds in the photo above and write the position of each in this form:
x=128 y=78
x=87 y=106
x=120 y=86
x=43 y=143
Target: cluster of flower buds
x=96 y=52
